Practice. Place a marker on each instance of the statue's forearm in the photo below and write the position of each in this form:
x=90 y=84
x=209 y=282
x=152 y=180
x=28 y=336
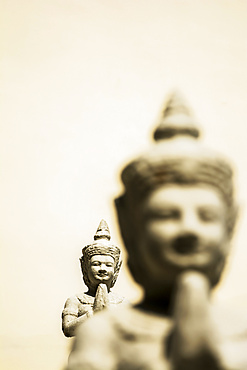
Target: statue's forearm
x=70 y=325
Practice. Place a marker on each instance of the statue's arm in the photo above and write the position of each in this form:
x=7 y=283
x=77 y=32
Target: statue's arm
x=70 y=318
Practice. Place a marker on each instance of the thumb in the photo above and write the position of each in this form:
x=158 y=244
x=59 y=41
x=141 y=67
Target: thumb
x=194 y=341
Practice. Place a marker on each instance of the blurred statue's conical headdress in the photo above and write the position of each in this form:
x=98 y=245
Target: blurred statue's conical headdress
x=176 y=119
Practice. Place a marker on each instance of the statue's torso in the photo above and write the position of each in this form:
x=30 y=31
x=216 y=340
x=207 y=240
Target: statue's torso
x=81 y=303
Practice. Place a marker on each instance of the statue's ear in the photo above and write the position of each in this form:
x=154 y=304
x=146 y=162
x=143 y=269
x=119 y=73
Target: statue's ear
x=119 y=264
x=117 y=268
x=81 y=263
x=116 y=272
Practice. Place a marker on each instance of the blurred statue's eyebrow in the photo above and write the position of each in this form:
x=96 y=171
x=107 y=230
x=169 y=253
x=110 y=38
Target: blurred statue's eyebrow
x=162 y=212
x=210 y=213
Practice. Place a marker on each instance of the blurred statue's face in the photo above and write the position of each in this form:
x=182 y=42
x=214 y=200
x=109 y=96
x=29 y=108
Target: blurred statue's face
x=101 y=269
x=182 y=227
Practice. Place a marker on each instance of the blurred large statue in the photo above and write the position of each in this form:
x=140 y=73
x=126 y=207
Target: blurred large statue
x=100 y=266
x=177 y=217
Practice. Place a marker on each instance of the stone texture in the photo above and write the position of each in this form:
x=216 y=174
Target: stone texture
x=100 y=267
x=176 y=217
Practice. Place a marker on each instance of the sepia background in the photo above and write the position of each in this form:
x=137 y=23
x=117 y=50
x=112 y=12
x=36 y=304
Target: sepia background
x=82 y=85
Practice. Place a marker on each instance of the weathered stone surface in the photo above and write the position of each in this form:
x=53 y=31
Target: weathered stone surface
x=100 y=265
x=177 y=217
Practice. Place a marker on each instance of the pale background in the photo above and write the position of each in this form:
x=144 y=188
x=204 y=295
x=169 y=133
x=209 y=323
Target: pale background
x=82 y=84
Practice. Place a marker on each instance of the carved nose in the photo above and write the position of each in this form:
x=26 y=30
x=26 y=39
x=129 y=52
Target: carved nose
x=102 y=269
x=186 y=243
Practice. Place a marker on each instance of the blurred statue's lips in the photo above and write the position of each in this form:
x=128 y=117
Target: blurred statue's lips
x=184 y=249
x=186 y=245
x=195 y=257
x=187 y=249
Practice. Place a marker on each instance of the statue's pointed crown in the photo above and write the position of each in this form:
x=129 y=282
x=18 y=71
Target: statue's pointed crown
x=101 y=244
x=103 y=231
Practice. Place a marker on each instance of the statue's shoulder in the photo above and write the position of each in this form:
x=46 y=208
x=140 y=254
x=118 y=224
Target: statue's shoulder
x=76 y=304
x=79 y=299
x=71 y=306
x=72 y=300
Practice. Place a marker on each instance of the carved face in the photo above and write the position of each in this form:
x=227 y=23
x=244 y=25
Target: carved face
x=101 y=269
x=182 y=227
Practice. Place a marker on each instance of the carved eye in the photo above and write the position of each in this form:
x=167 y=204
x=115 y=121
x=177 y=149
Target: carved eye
x=95 y=263
x=109 y=264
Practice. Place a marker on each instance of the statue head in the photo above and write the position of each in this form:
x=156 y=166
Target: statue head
x=178 y=210
x=100 y=262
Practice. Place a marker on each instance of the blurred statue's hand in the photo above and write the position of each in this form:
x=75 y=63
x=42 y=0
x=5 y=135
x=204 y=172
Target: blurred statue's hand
x=194 y=343
x=101 y=298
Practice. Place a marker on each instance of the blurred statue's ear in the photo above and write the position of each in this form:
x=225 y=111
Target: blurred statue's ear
x=120 y=206
x=124 y=220
x=233 y=219
x=127 y=226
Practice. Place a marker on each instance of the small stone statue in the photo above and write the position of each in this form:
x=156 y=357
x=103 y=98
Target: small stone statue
x=177 y=217
x=100 y=264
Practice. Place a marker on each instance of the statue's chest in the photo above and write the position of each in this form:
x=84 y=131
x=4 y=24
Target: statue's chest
x=85 y=304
